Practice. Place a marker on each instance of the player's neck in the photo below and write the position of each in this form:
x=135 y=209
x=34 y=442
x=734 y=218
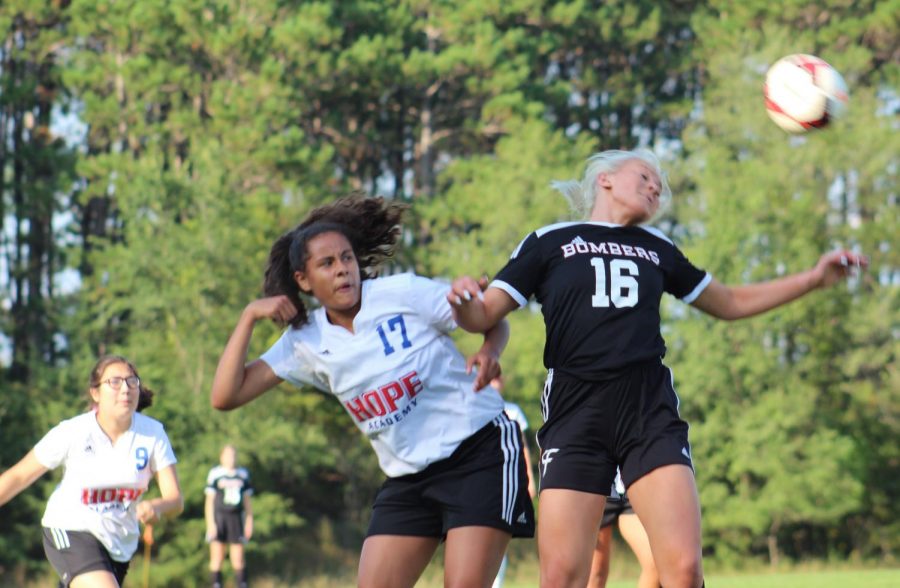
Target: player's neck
x=114 y=427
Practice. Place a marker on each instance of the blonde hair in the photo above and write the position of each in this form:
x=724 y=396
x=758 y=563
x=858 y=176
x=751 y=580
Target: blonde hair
x=581 y=195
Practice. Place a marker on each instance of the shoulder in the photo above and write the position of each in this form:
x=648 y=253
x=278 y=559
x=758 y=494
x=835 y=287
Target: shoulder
x=83 y=422
x=555 y=228
x=656 y=233
x=400 y=286
x=148 y=425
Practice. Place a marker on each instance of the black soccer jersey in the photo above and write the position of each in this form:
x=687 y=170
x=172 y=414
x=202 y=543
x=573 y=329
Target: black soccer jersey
x=599 y=286
x=229 y=486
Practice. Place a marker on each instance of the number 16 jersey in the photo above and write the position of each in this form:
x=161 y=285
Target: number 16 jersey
x=599 y=286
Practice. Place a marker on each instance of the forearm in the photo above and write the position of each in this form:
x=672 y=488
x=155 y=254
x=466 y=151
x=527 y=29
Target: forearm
x=753 y=299
x=168 y=507
x=230 y=372
x=496 y=338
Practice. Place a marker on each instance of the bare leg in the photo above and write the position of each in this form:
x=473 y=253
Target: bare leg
x=472 y=556
x=394 y=561
x=567 y=534
x=600 y=563
x=633 y=531
x=95 y=579
x=666 y=502
x=216 y=555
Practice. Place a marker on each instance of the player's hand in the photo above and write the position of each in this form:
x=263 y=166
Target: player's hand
x=278 y=308
x=465 y=289
x=211 y=533
x=147 y=513
x=488 y=368
x=837 y=265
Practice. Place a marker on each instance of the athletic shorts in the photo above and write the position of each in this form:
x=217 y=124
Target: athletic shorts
x=630 y=421
x=482 y=483
x=615 y=507
x=229 y=526
x=72 y=553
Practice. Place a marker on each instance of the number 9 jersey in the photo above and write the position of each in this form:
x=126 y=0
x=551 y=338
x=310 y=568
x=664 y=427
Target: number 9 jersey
x=599 y=286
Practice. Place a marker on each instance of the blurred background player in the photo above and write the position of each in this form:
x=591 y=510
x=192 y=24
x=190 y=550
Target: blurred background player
x=618 y=509
x=110 y=453
x=229 y=516
x=515 y=414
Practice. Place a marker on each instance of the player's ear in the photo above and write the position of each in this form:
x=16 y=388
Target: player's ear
x=302 y=281
x=603 y=180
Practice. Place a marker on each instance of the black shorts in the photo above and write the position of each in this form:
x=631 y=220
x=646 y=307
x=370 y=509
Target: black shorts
x=229 y=526
x=72 y=553
x=482 y=483
x=630 y=422
x=615 y=507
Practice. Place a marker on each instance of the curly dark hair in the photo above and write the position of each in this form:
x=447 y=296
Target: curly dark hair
x=146 y=394
x=372 y=225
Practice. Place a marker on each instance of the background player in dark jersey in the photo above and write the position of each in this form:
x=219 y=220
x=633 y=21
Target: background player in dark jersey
x=229 y=516
x=109 y=454
x=608 y=400
x=618 y=512
x=454 y=465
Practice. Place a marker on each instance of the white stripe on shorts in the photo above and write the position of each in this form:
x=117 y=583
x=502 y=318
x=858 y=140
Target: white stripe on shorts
x=60 y=538
x=545 y=395
x=510 y=445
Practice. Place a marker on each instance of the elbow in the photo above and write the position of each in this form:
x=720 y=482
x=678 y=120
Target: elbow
x=221 y=402
x=178 y=507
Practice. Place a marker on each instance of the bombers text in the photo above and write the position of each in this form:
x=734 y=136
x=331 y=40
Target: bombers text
x=579 y=245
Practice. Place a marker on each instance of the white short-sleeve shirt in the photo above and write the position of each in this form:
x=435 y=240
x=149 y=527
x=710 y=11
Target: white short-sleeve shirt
x=102 y=482
x=514 y=412
x=399 y=375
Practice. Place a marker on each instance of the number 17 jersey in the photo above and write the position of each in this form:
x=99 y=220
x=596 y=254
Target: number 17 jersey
x=599 y=286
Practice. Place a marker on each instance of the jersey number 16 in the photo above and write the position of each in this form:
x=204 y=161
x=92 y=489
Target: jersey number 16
x=623 y=285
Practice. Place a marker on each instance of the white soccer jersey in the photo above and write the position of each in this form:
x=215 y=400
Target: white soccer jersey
x=514 y=412
x=102 y=482
x=399 y=375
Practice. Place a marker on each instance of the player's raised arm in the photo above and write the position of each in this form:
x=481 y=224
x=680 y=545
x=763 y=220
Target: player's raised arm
x=477 y=311
x=736 y=302
x=235 y=383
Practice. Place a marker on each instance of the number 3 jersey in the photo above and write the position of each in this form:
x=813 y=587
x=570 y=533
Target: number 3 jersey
x=102 y=483
x=599 y=286
x=399 y=375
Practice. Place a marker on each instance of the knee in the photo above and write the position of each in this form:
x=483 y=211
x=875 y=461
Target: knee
x=563 y=572
x=685 y=572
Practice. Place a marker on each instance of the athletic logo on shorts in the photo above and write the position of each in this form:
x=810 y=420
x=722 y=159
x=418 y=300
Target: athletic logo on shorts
x=686 y=453
x=546 y=458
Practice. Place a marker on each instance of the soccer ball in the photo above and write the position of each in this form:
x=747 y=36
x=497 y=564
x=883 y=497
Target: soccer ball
x=803 y=92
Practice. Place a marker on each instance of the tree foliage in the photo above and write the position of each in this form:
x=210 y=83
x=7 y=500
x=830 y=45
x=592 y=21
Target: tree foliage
x=204 y=129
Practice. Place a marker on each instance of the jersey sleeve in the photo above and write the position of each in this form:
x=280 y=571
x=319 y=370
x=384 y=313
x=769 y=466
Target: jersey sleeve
x=429 y=299
x=52 y=449
x=211 y=482
x=685 y=280
x=163 y=455
x=248 y=484
x=522 y=273
x=287 y=365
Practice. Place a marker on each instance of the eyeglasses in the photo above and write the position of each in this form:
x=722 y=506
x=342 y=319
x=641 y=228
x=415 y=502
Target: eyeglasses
x=116 y=382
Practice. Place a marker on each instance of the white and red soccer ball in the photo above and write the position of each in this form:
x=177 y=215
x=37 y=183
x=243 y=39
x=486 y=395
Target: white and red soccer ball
x=803 y=92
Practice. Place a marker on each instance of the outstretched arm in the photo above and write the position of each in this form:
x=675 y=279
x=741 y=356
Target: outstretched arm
x=736 y=302
x=477 y=311
x=236 y=384
x=20 y=476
